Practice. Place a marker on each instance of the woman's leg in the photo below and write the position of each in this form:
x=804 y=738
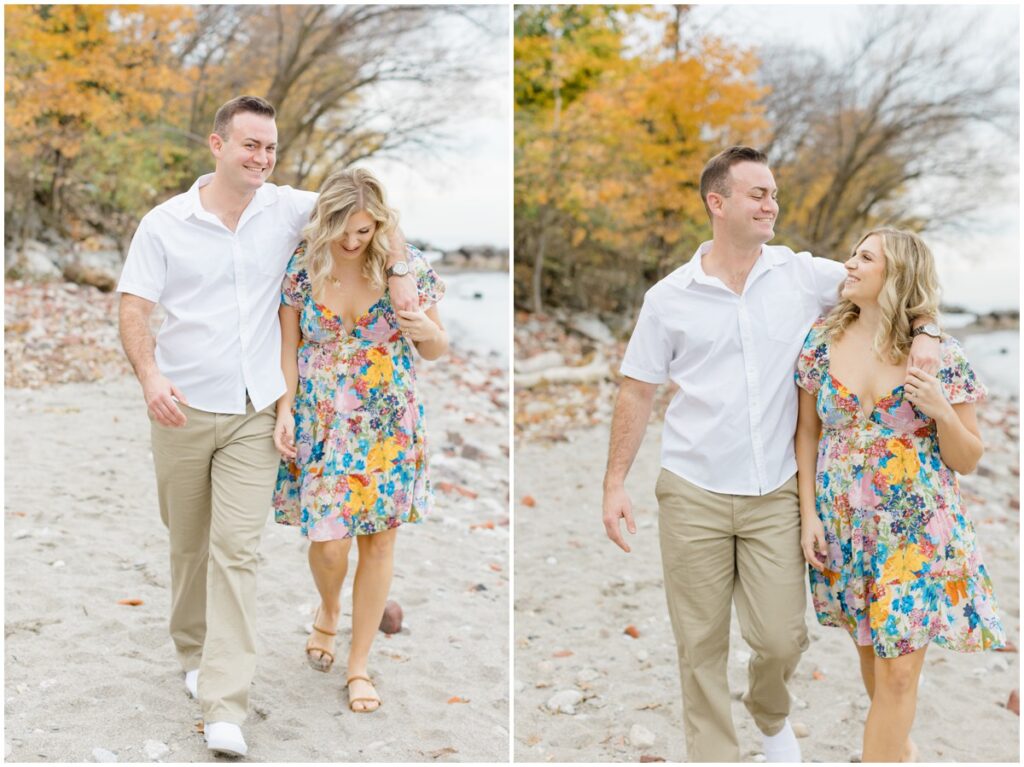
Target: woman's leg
x=893 y=704
x=866 y=656
x=369 y=593
x=328 y=561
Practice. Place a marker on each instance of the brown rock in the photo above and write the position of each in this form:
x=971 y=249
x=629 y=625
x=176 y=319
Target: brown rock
x=391 y=621
x=1013 y=704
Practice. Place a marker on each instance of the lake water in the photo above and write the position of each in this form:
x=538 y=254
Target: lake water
x=996 y=359
x=476 y=312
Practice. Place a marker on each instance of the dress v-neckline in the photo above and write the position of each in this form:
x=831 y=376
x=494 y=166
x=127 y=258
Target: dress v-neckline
x=839 y=384
x=330 y=313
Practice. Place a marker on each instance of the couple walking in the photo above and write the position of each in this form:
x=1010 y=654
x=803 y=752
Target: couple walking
x=849 y=475
x=283 y=374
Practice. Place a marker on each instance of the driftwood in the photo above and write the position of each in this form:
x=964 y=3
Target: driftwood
x=595 y=371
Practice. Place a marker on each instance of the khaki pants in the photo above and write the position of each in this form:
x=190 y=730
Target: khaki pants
x=715 y=548
x=215 y=478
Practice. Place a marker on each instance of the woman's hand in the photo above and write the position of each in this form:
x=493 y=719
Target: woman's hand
x=417 y=325
x=925 y=392
x=284 y=435
x=812 y=541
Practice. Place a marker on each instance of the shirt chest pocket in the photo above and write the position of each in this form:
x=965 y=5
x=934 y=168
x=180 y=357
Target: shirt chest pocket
x=786 y=317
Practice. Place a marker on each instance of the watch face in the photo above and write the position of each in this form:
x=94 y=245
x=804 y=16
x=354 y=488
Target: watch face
x=399 y=270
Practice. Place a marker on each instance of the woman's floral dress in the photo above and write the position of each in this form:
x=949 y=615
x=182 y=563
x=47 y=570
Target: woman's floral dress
x=902 y=565
x=361 y=466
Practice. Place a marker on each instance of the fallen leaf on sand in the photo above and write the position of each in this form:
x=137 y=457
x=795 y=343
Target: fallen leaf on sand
x=649 y=706
x=542 y=684
x=632 y=630
x=457 y=699
x=649 y=758
x=438 y=753
x=562 y=654
x=528 y=500
x=199 y=728
x=1013 y=704
x=488 y=525
x=818 y=675
x=451 y=487
x=131 y=602
x=496 y=567
x=1009 y=647
x=533 y=740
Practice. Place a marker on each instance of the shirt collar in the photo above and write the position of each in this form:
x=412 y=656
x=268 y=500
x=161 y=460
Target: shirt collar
x=693 y=271
x=193 y=206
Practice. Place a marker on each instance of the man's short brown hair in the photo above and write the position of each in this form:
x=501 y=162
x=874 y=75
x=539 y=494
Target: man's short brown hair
x=715 y=176
x=238 y=105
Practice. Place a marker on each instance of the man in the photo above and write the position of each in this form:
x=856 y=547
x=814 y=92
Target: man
x=214 y=258
x=727 y=327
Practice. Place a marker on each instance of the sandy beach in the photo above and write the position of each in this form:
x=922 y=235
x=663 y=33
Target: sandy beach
x=576 y=593
x=89 y=679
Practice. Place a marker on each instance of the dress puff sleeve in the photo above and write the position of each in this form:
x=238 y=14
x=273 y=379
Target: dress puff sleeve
x=295 y=278
x=956 y=375
x=428 y=284
x=813 y=359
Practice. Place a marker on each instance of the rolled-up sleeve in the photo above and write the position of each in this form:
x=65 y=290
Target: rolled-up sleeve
x=828 y=278
x=649 y=351
x=145 y=269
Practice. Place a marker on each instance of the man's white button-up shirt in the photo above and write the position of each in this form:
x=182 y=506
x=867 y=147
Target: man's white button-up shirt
x=730 y=427
x=221 y=291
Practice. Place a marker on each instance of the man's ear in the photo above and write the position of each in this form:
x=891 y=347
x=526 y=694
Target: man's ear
x=715 y=202
x=216 y=144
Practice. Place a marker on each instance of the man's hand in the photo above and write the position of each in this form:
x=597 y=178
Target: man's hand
x=925 y=353
x=160 y=396
x=403 y=293
x=617 y=507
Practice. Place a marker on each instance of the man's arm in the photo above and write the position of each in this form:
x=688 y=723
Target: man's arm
x=629 y=422
x=139 y=345
x=402 y=289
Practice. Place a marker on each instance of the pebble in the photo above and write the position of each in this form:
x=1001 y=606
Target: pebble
x=759 y=758
x=640 y=736
x=551 y=561
x=154 y=749
x=800 y=704
x=391 y=621
x=855 y=757
x=102 y=755
x=587 y=675
x=22 y=534
x=58 y=563
x=565 y=701
x=800 y=729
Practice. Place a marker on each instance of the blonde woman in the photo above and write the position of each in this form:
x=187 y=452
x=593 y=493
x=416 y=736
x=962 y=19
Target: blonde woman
x=891 y=548
x=350 y=429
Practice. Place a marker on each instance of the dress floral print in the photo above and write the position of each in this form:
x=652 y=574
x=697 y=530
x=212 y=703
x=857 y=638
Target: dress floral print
x=361 y=466
x=902 y=565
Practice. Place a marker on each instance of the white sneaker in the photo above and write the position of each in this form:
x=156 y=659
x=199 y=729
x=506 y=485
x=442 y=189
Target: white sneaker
x=192 y=682
x=782 y=746
x=225 y=738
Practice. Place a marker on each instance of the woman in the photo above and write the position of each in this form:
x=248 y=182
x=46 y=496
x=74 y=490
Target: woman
x=350 y=428
x=892 y=553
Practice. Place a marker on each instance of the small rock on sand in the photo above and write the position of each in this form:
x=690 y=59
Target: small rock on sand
x=640 y=736
x=102 y=755
x=565 y=701
x=1013 y=704
x=154 y=750
x=391 y=621
x=801 y=730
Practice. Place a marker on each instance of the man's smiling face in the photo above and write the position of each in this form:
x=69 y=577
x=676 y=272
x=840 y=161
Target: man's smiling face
x=246 y=156
x=750 y=210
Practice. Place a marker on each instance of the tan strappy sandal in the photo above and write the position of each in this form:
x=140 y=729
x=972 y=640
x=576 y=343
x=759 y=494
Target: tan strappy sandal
x=352 y=701
x=326 y=659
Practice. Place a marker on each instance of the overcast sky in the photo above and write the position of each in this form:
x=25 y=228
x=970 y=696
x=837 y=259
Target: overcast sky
x=464 y=195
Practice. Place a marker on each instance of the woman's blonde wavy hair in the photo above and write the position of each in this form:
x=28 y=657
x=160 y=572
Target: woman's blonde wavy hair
x=910 y=290
x=343 y=193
